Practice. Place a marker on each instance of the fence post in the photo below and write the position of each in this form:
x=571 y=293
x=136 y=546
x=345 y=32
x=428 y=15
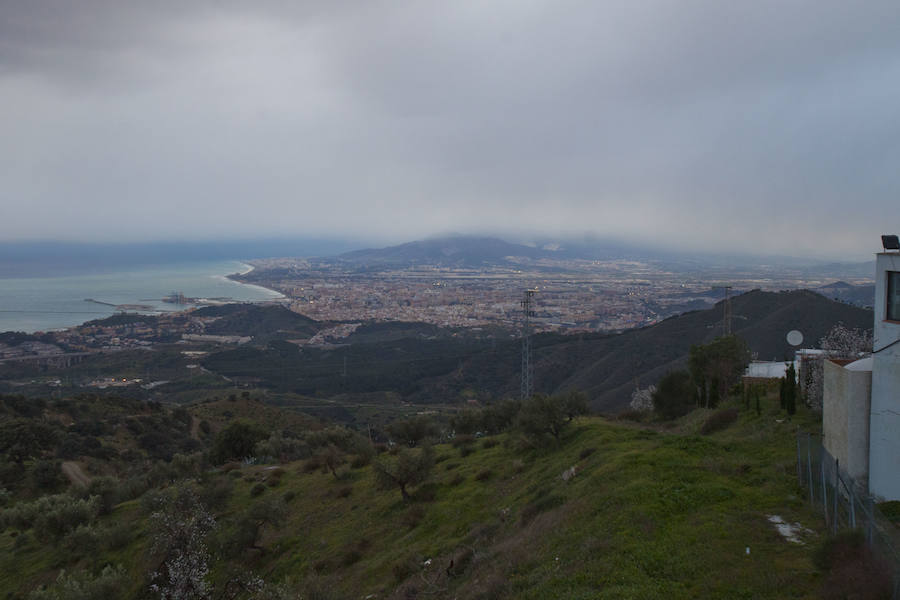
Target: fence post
x=812 y=500
x=870 y=516
x=852 y=492
x=799 y=460
x=824 y=484
x=837 y=476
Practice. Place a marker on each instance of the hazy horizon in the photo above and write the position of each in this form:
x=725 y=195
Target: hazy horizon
x=757 y=128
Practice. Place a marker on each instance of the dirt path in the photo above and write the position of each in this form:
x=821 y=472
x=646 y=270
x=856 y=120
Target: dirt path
x=74 y=473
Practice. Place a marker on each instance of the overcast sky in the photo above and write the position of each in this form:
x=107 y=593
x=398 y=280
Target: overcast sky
x=766 y=126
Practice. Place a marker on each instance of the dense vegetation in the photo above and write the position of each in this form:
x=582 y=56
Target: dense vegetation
x=490 y=503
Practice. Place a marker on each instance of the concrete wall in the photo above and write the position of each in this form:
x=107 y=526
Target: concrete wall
x=845 y=418
x=884 y=425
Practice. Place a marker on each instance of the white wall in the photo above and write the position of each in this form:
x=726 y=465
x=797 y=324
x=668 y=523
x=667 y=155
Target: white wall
x=845 y=418
x=884 y=424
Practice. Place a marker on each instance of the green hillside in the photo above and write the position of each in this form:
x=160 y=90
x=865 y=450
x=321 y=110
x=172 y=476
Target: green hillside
x=607 y=369
x=425 y=365
x=657 y=512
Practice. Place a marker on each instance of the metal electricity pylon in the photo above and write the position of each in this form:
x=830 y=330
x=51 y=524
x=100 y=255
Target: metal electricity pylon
x=527 y=367
x=726 y=310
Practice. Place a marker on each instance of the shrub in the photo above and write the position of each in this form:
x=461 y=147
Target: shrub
x=489 y=443
x=543 y=415
x=51 y=516
x=289 y=495
x=106 y=489
x=109 y=583
x=257 y=490
x=632 y=415
x=586 y=452
x=82 y=541
x=360 y=460
x=719 y=420
x=236 y=442
x=853 y=571
x=216 y=492
x=674 y=396
x=410 y=432
x=466 y=421
x=891 y=510
x=484 y=475
x=248 y=527
x=46 y=475
x=312 y=465
x=152 y=500
x=456 y=479
x=463 y=440
x=116 y=536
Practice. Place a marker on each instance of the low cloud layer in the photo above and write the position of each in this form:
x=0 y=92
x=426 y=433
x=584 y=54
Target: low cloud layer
x=764 y=126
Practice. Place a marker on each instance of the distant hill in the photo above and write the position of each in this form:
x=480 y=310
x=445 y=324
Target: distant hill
x=609 y=367
x=464 y=251
x=859 y=295
x=260 y=321
x=449 y=251
x=424 y=367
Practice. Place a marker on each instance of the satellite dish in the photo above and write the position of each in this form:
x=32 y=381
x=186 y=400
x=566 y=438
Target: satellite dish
x=794 y=337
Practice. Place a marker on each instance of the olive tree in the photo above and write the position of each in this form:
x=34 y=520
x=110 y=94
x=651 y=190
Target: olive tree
x=409 y=466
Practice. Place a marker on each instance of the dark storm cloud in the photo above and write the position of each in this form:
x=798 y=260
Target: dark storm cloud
x=764 y=126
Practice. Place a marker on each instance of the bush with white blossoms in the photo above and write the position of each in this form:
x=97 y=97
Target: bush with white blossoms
x=642 y=399
x=181 y=524
x=840 y=342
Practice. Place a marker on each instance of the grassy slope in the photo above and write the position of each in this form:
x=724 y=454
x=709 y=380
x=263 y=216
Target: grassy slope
x=650 y=514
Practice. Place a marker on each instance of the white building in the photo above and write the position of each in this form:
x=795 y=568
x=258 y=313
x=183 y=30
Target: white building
x=861 y=404
x=884 y=420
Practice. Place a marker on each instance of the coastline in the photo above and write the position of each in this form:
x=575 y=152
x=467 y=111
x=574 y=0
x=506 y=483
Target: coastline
x=55 y=304
x=250 y=268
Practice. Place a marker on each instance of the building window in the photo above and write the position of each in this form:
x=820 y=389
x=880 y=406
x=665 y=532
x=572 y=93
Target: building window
x=893 y=296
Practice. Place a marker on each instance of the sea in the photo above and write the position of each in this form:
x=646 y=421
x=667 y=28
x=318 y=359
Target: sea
x=62 y=300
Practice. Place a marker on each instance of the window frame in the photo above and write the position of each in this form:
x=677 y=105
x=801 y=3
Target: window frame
x=892 y=288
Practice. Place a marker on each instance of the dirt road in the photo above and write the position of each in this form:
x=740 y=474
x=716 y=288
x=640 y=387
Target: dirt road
x=74 y=473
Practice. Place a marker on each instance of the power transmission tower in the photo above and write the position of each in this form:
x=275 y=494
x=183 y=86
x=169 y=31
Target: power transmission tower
x=726 y=309
x=527 y=368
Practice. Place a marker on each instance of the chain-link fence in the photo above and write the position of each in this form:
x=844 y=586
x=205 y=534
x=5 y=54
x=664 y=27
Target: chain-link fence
x=845 y=503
